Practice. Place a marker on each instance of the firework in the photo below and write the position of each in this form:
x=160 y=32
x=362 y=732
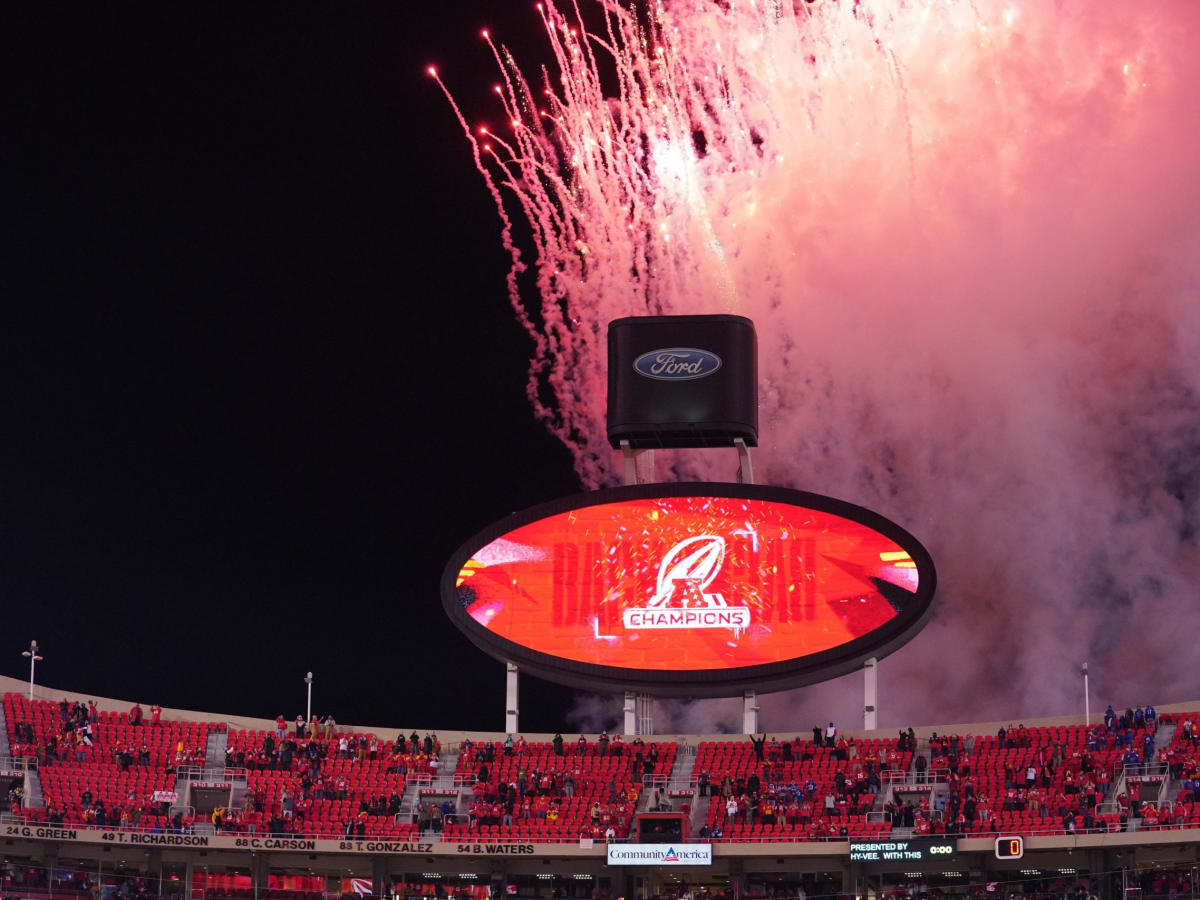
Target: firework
x=967 y=232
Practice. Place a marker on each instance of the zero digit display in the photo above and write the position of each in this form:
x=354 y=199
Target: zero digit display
x=690 y=589
x=1010 y=847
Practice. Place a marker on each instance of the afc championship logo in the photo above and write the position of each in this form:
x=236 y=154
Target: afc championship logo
x=681 y=600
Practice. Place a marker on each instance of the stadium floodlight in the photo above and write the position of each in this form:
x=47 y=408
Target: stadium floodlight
x=32 y=653
x=308 y=707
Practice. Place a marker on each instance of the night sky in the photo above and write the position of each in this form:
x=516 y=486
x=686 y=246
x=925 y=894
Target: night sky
x=262 y=375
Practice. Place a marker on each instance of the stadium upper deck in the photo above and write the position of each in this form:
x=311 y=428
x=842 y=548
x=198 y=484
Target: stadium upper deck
x=95 y=767
x=86 y=778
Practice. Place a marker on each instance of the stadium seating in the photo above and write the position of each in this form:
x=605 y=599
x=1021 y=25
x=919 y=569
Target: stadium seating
x=363 y=780
x=97 y=769
x=997 y=770
x=606 y=781
x=779 y=776
x=126 y=764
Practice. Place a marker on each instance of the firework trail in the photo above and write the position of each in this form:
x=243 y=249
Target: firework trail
x=969 y=234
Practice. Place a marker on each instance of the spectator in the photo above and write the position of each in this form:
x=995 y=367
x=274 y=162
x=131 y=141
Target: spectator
x=758 y=744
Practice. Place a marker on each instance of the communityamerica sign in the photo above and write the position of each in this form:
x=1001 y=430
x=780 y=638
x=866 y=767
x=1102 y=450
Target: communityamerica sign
x=660 y=854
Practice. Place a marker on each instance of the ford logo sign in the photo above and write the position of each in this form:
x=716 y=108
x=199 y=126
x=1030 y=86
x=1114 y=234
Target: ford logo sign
x=677 y=364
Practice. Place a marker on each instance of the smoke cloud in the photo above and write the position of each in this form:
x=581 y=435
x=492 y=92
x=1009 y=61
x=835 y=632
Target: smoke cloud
x=969 y=236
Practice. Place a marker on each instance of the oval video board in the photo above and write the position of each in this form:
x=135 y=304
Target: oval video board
x=695 y=589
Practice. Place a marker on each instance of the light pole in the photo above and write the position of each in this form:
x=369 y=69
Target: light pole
x=32 y=653
x=1087 y=701
x=308 y=681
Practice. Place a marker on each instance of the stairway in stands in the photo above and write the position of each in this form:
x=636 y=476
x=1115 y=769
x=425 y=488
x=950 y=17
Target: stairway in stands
x=5 y=747
x=681 y=780
x=214 y=749
x=33 y=785
x=33 y=790
x=1163 y=736
x=448 y=763
x=410 y=801
x=685 y=763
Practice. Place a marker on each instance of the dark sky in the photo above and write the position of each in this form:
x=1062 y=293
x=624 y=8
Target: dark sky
x=261 y=373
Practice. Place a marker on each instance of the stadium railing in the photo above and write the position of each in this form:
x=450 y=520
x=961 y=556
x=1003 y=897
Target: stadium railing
x=196 y=773
x=533 y=838
x=18 y=763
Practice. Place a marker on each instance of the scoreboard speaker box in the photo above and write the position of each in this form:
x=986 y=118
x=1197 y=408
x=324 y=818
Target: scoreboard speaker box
x=682 y=381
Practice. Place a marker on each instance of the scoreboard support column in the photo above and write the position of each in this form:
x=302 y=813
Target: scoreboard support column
x=870 y=693
x=749 y=712
x=511 y=691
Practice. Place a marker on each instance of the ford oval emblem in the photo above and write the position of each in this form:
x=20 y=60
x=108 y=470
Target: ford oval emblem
x=677 y=364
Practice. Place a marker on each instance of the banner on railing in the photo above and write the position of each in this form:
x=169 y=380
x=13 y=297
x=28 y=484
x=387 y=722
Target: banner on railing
x=262 y=842
x=165 y=796
x=890 y=851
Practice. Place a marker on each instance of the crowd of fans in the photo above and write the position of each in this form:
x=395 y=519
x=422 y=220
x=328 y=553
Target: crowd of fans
x=75 y=738
x=750 y=801
x=964 y=808
x=311 y=754
x=76 y=735
x=311 y=744
x=93 y=811
x=1059 y=781
x=1065 y=783
x=817 y=805
x=546 y=793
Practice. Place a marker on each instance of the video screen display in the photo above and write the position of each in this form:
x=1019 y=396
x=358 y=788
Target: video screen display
x=686 y=583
